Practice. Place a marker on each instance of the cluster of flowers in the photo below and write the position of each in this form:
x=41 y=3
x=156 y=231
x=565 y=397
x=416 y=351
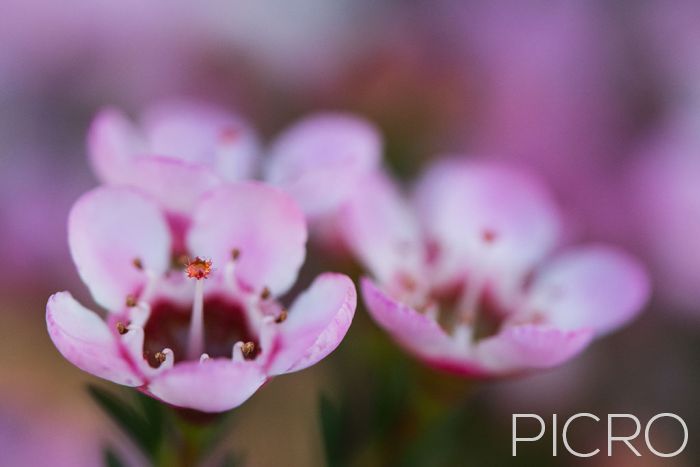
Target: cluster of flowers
x=190 y=254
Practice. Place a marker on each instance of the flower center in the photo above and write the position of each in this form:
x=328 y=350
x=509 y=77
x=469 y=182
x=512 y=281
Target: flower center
x=225 y=324
x=460 y=305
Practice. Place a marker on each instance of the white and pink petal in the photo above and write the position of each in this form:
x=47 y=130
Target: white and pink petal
x=113 y=143
x=177 y=185
x=317 y=322
x=486 y=216
x=263 y=225
x=522 y=348
x=378 y=226
x=595 y=286
x=84 y=339
x=196 y=132
x=214 y=385
x=322 y=159
x=119 y=240
x=417 y=331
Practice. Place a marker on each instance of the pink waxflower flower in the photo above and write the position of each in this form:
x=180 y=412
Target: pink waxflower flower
x=203 y=333
x=180 y=150
x=182 y=140
x=465 y=280
x=665 y=187
x=328 y=153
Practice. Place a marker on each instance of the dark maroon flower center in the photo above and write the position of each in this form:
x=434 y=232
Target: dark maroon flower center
x=225 y=323
x=488 y=314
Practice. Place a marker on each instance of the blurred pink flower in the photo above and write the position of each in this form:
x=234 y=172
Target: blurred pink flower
x=180 y=150
x=321 y=159
x=183 y=149
x=465 y=283
x=236 y=336
x=34 y=437
x=547 y=93
x=666 y=188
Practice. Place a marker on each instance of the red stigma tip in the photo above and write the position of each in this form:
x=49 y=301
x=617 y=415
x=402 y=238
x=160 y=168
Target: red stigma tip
x=198 y=268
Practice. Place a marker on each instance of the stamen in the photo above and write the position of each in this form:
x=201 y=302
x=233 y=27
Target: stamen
x=160 y=357
x=138 y=264
x=121 y=328
x=462 y=335
x=281 y=318
x=164 y=360
x=139 y=314
x=204 y=358
x=248 y=350
x=237 y=353
x=131 y=301
x=433 y=311
x=230 y=270
x=150 y=287
x=265 y=294
x=269 y=320
x=468 y=305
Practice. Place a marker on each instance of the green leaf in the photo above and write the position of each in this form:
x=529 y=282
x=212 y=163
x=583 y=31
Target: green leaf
x=217 y=434
x=332 y=431
x=390 y=398
x=111 y=459
x=137 y=427
x=155 y=415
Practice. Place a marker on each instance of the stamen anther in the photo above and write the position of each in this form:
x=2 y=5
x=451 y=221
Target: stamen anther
x=281 y=318
x=138 y=264
x=248 y=350
x=131 y=301
x=203 y=358
x=121 y=328
x=199 y=268
x=265 y=294
x=160 y=357
x=235 y=254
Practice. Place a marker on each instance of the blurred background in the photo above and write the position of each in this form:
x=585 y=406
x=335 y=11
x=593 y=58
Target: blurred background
x=601 y=98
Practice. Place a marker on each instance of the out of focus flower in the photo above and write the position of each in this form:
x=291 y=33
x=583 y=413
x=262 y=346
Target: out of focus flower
x=547 y=93
x=32 y=437
x=209 y=337
x=666 y=188
x=322 y=159
x=183 y=149
x=467 y=285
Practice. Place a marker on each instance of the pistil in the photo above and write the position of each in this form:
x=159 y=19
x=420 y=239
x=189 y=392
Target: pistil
x=198 y=269
x=468 y=306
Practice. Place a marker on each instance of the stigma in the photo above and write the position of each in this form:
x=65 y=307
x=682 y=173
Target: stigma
x=198 y=268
